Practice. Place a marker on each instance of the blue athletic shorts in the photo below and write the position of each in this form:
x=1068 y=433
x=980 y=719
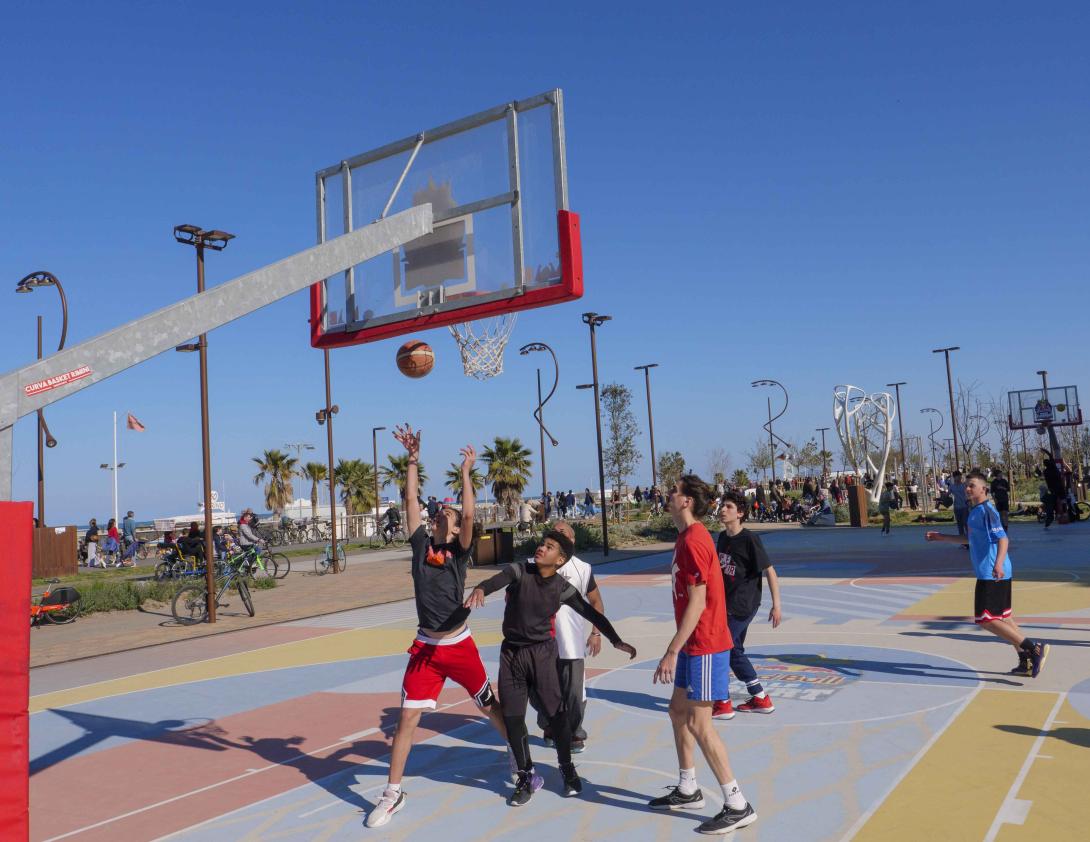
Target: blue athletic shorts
x=706 y=678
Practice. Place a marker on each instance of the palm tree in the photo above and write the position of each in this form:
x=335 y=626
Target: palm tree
x=357 y=481
x=397 y=473
x=315 y=472
x=278 y=468
x=454 y=479
x=508 y=471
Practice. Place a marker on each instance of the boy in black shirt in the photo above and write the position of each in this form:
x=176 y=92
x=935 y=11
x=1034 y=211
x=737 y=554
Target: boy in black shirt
x=444 y=646
x=743 y=559
x=528 y=654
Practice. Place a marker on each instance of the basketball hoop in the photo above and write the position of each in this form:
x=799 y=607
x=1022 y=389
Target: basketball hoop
x=482 y=344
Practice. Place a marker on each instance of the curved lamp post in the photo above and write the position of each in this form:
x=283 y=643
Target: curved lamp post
x=29 y=284
x=931 y=435
x=771 y=418
x=538 y=414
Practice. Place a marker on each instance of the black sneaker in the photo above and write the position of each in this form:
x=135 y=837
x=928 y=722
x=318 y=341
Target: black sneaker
x=728 y=821
x=675 y=800
x=1024 y=668
x=572 y=784
x=527 y=784
x=1037 y=658
x=578 y=746
x=548 y=740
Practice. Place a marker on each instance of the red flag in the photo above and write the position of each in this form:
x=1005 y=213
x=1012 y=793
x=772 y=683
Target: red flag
x=134 y=423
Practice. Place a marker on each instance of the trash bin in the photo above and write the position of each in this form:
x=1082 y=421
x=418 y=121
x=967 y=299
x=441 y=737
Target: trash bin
x=857 y=505
x=494 y=544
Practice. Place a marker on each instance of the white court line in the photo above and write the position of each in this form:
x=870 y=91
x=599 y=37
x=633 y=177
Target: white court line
x=863 y=819
x=1013 y=807
x=847 y=606
x=247 y=774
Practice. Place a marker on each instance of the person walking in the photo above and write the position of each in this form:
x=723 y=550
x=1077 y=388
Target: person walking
x=128 y=529
x=961 y=502
x=884 y=504
x=1001 y=496
x=90 y=540
x=743 y=561
x=988 y=551
x=697 y=662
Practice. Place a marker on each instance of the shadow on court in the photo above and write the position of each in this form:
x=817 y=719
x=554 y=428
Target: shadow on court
x=861 y=668
x=1076 y=736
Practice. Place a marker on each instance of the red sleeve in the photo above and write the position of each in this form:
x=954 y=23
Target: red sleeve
x=705 y=561
x=689 y=570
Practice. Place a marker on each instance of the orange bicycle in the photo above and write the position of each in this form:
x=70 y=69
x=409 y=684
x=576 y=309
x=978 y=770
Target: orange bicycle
x=57 y=605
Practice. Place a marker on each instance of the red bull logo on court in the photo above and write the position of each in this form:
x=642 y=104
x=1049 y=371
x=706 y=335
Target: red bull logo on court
x=806 y=678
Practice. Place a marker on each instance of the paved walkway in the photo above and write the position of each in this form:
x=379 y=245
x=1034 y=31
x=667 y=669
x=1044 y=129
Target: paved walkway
x=886 y=701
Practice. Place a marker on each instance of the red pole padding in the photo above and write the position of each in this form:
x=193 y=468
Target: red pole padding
x=16 y=531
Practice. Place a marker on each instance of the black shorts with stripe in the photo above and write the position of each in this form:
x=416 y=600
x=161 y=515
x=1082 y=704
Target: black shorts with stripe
x=992 y=600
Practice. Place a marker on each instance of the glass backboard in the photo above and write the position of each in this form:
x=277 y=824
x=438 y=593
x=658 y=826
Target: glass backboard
x=1029 y=407
x=504 y=238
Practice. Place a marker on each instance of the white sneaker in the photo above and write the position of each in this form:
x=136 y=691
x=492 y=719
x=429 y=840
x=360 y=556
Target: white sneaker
x=388 y=804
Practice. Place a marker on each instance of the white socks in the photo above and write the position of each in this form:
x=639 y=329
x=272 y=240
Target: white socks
x=687 y=781
x=733 y=796
x=394 y=789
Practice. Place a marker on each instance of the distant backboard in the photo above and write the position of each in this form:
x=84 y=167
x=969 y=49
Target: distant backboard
x=1029 y=408
x=504 y=238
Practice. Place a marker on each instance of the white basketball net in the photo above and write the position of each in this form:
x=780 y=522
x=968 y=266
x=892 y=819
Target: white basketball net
x=482 y=344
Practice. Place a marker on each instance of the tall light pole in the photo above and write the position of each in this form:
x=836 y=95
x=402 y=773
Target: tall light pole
x=216 y=240
x=595 y=321
x=113 y=468
x=901 y=430
x=953 y=412
x=298 y=447
x=771 y=418
x=325 y=416
x=539 y=413
x=931 y=436
x=824 y=458
x=646 y=369
x=374 y=467
x=26 y=285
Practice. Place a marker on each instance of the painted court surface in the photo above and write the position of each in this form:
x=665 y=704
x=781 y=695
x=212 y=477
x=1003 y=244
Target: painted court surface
x=894 y=718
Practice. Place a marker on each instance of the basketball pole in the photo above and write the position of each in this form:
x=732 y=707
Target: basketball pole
x=594 y=321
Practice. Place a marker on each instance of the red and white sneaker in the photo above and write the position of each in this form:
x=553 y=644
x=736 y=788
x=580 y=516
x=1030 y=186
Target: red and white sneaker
x=723 y=710
x=757 y=705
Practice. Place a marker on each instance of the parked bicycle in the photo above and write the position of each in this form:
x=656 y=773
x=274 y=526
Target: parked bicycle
x=323 y=563
x=56 y=605
x=190 y=604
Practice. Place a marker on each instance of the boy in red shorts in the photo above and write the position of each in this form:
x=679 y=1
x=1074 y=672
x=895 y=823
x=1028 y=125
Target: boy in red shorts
x=444 y=646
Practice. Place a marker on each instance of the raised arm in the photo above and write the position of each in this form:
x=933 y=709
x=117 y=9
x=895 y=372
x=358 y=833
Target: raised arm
x=505 y=577
x=469 y=500
x=411 y=442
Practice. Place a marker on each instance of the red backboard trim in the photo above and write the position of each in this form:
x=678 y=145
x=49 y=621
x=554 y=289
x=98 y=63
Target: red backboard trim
x=570 y=288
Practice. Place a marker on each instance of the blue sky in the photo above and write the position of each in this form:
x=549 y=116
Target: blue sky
x=816 y=193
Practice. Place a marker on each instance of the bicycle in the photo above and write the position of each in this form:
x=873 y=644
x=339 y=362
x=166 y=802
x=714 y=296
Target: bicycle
x=190 y=604
x=524 y=530
x=60 y=606
x=386 y=537
x=323 y=563
x=257 y=562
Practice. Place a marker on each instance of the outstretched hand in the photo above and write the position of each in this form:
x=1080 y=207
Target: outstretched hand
x=627 y=648
x=409 y=440
x=475 y=599
x=469 y=457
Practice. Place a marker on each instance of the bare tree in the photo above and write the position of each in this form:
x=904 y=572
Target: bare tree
x=759 y=458
x=718 y=464
x=972 y=420
x=997 y=411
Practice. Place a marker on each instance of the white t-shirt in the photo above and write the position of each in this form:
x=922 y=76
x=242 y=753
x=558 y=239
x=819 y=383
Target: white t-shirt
x=571 y=629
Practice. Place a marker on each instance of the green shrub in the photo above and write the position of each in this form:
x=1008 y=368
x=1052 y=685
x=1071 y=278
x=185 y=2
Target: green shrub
x=130 y=594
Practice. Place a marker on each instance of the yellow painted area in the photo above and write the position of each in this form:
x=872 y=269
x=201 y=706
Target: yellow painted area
x=1029 y=599
x=339 y=646
x=957 y=788
x=1056 y=784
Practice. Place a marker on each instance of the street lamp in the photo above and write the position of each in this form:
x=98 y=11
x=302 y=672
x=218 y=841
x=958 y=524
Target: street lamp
x=768 y=424
x=113 y=467
x=646 y=369
x=901 y=430
x=26 y=285
x=298 y=447
x=216 y=240
x=539 y=412
x=374 y=455
x=950 y=390
x=325 y=416
x=931 y=435
x=824 y=459
x=595 y=321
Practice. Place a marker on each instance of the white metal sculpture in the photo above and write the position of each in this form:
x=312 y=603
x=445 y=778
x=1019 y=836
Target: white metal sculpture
x=865 y=426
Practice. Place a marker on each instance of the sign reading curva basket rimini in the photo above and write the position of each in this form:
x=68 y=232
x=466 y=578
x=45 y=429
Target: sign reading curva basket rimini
x=50 y=383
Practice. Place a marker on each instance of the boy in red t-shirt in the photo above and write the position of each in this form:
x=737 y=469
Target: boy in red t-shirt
x=697 y=661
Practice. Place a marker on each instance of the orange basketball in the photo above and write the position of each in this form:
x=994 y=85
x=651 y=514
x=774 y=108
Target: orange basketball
x=415 y=358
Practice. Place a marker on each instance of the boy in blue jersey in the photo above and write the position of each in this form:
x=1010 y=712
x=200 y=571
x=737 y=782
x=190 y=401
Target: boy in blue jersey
x=988 y=543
